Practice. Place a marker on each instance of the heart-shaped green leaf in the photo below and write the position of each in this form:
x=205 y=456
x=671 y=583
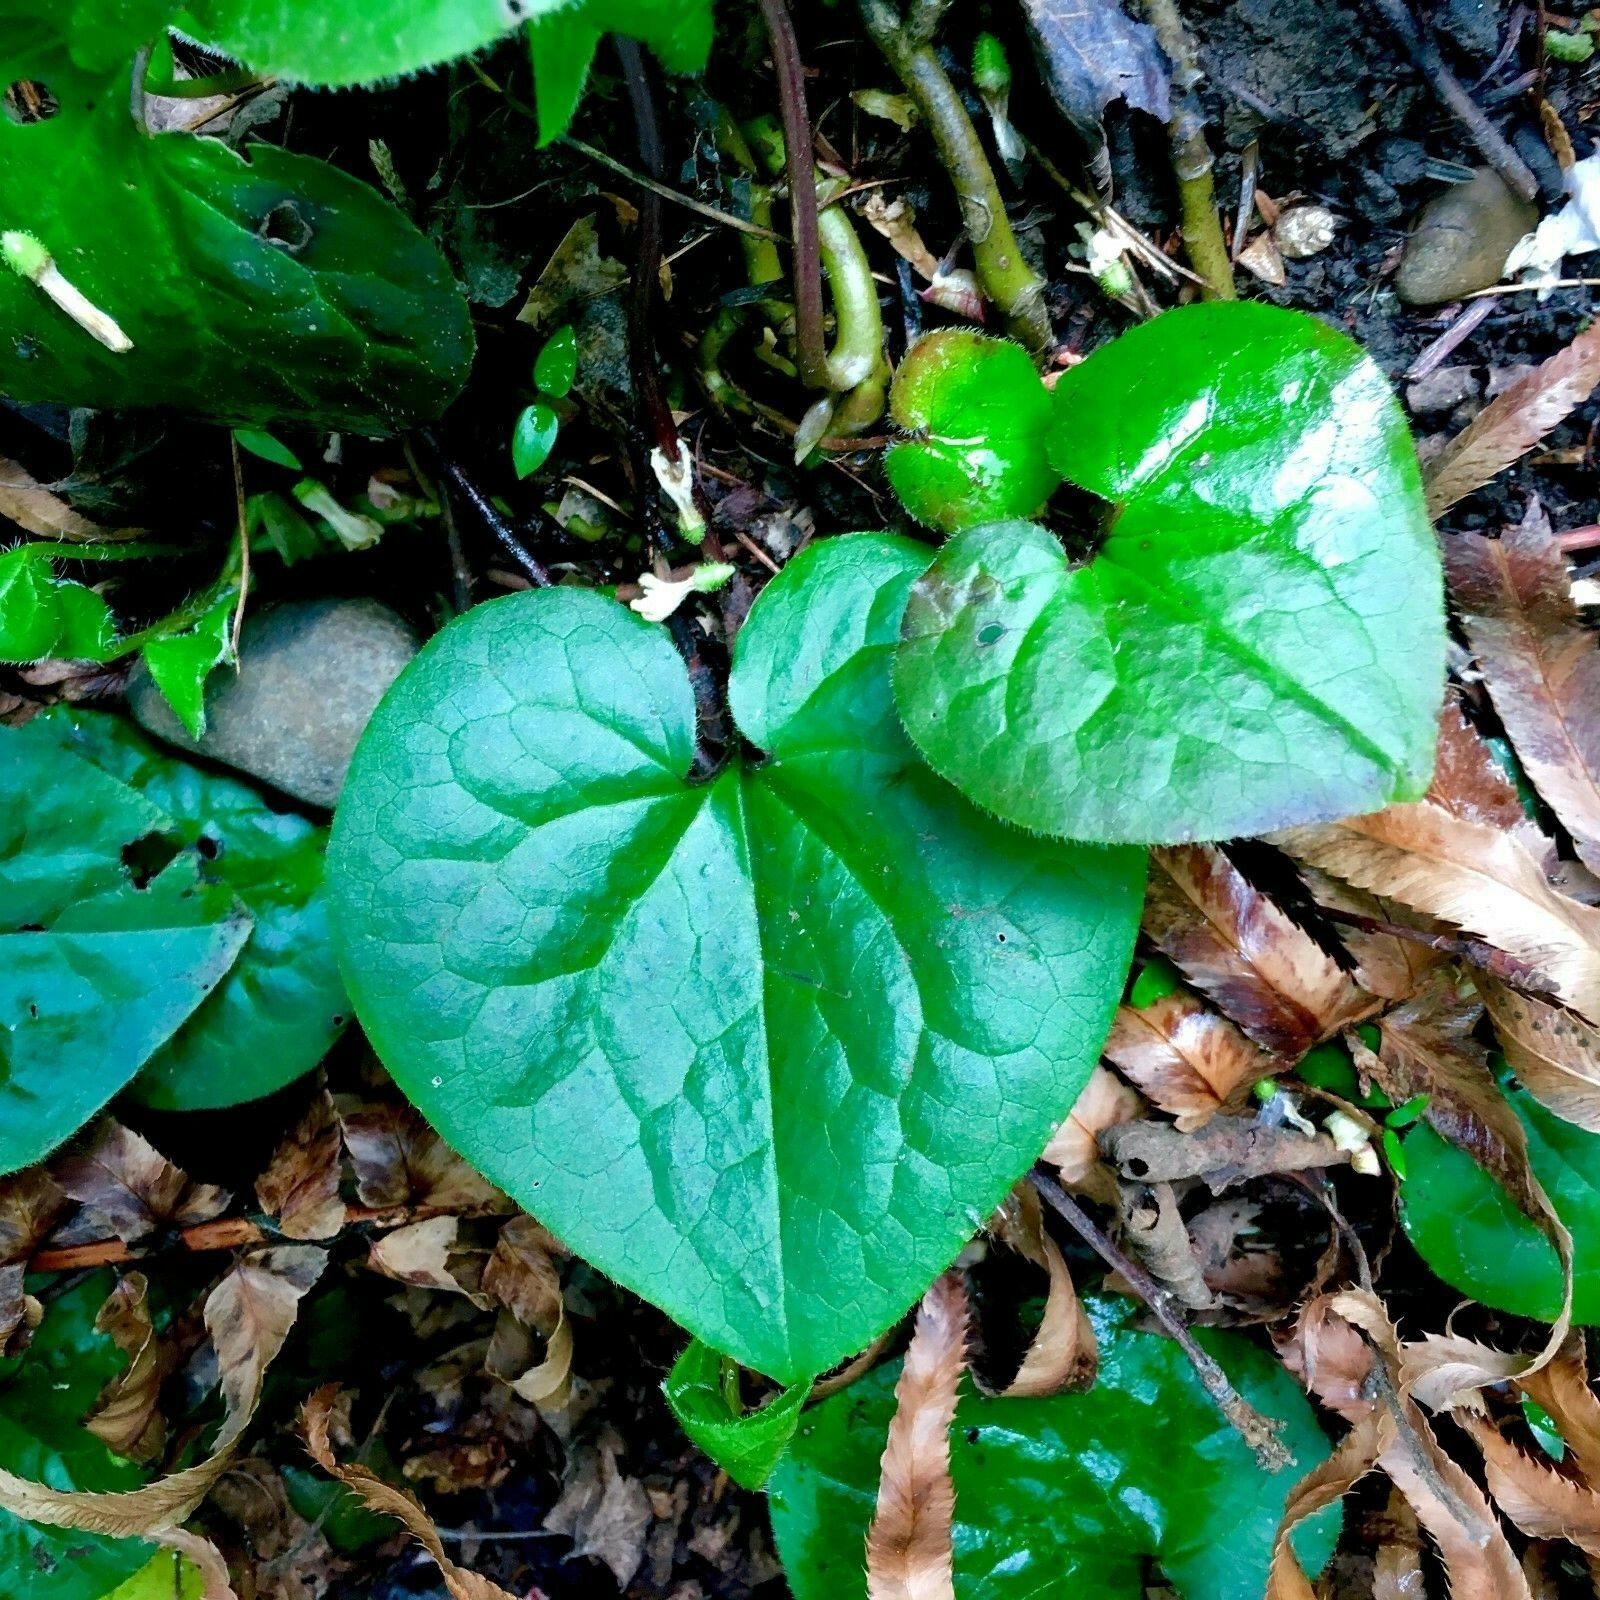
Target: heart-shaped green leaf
x=259 y=290
x=745 y=1444
x=1075 y=1494
x=282 y=1004
x=1469 y=1230
x=99 y=966
x=979 y=420
x=1258 y=639
x=44 y=1396
x=764 y=1049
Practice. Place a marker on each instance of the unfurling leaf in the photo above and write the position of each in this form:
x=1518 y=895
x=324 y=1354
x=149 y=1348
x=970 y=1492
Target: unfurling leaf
x=747 y=1445
x=1256 y=635
x=1514 y=422
x=768 y=1008
x=978 y=421
x=909 y=1554
x=1542 y=666
x=1107 y=1464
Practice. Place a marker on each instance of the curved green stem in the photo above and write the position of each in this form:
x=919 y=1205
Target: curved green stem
x=1006 y=277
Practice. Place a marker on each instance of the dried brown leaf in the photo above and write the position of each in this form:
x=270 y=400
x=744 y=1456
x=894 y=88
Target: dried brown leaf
x=400 y=1161
x=205 y=1557
x=1541 y=664
x=301 y=1184
x=1476 y=877
x=127 y=1416
x=1397 y=1566
x=1225 y=1151
x=908 y=1545
x=1388 y=965
x=541 y=1376
x=1155 y=1236
x=1514 y=422
x=1185 y=1058
x=425 y=1254
x=26 y=502
x=1251 y=959
x=385 y=1499
x=1074 y=1148
x=30 y=1203
x=522 y=1273
x=603 y=1511
x=1063 y=1354
x=1544 y=1503
x=132 y=1188
x=1467 y=780
x=1554 y=1052
x=1562 y=1388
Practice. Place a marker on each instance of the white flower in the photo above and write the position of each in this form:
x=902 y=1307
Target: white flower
x=677 y=483
x=663 y=596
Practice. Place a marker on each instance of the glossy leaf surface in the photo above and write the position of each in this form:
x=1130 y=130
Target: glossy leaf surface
x=42 y=616
x=255 y=290
x=746 y=1445
x=282 y=1004
x=1074 y=1494
x=44 y=1395
x=730 y=1041
x=1471 y=1232
x=533 y=438
x=980 y=422
x=100 y=964
x=1259 y=638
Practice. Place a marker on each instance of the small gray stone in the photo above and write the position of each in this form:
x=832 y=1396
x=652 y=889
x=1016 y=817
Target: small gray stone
x=312 y=673
x=1462 y=239
x=1442 y=390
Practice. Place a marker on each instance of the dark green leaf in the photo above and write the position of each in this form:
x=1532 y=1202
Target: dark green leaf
x=1070 y=1495
x=557 y=365
x=533 y=438
x=346 y=1523
x=255 y=290
x=180 y=661
x=44 y=1396
x=729 y=1040
x=267 y=448
x=746 y=1446
x=980 y=421
x=96 y=972
x=282 y=1005
x=1470 y=1231
x=1257 y=641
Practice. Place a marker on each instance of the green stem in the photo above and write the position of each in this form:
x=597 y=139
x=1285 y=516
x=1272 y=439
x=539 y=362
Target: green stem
x=1192 y=160
x=1006 y=277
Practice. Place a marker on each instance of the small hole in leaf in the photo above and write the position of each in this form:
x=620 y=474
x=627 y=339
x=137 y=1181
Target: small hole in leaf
x=1081 y=521
x=285 y=227
x=145 y=857
x=1000 y=938
x=33 y=1010
x=208 y=847
x=28 y=101
x=1137 y=1168
x=991 y=633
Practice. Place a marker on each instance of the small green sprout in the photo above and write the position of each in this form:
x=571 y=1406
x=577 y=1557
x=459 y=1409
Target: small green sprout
x=991 y=76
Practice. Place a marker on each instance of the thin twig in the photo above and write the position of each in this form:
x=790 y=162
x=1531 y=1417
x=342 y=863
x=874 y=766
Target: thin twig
x=1530 y=288
x=243 y=511
x=1424 y=51
x=1512 y=969
x=538 y=574
x=665 y=192
x=1448 y=342
x=1259 y=1432
x=811 y=353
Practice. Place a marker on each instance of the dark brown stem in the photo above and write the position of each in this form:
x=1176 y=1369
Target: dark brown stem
x=1512 y=969
x=1423 y=50
x=229 y=1233
x=538 y=574
x=1259 y=1432
x=811 y=352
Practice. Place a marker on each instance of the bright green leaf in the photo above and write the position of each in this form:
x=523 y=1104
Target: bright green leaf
x=533 y=438
x=1259 y=638
x=41 y=615
x=336 y=47
x=262 y=444
x=255 y=290
x=282 y=1005
x=1070 y=1495
x=556 y=366
x=747 y=1446
x=979 y=420
x=561 y=46
x=168 y=1577
x=181 y=661
x=44 y=1396
x=728 y=1039
x=1470 y=1231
